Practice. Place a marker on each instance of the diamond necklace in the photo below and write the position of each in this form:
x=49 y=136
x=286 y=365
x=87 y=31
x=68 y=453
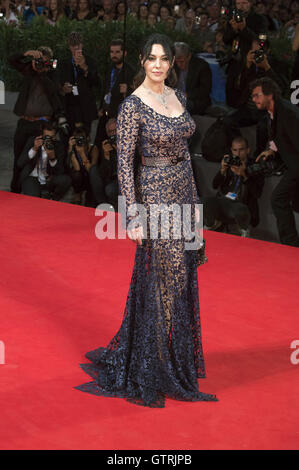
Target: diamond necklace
x=160 y=97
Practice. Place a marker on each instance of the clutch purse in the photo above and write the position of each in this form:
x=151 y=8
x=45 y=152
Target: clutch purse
x=201 y=254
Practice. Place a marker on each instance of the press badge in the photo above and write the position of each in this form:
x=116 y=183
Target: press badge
x=107 y=98
x=75 y=90
x=232 y=196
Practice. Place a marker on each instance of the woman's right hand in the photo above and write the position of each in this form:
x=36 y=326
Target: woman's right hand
x=136 y=234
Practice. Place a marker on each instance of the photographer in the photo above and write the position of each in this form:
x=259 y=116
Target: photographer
x=103 y=177
x=242 y=24
x=258 y=63
x=236 y=199
x=41 y=165
x=118 y=84
x=10 y=12
x=33 y=8
x=283 y=141
x=77 y=77
x=38 y=99
x=81 y=156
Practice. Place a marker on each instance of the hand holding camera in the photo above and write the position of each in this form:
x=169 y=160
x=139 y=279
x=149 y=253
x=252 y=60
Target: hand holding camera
x=265 y=155
x=238 y=25
x=108 y=146
x=33 y=54
x=240 y=170
x=38 y=142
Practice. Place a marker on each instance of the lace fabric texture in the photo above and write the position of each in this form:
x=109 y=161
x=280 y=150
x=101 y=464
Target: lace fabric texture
x=157 y=351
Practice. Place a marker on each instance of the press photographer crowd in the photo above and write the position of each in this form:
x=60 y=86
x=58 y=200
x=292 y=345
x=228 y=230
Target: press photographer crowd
x=57 y=106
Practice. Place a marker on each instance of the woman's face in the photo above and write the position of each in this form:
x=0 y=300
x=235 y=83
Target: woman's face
x=151 y=19
x=157 y=65
x=53 y=4
x=73 y=4
x=143 y=11
x=155 y=8
x=83 y=5
x=164 y=13
x=121 y=8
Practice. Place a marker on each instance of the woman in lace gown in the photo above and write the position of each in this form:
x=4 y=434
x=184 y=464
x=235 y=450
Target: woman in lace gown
x=157 y=351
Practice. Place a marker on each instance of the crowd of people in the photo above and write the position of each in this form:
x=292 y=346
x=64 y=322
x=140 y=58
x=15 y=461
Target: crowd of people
x=205 y=19
x=57 y=105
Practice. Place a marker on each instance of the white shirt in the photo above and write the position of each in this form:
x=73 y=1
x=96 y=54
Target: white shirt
x=38 y=172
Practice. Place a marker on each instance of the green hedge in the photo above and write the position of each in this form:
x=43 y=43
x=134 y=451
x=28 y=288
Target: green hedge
x=97 y=37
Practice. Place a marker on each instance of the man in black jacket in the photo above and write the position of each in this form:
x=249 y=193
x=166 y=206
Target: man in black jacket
x=283 y=140
x=258 y=63
x=241 y=32
x=77 y=77
x=41 y=165
x=38 y=100
x=117 y=85
x=194 y=79
x=237 y=197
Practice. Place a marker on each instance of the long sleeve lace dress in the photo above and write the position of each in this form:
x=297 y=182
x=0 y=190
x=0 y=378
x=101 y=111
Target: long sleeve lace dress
x=157 y=351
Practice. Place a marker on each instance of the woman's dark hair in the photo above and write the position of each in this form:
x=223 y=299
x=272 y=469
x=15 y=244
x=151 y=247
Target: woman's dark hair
x=168 y=47
x=268 y=86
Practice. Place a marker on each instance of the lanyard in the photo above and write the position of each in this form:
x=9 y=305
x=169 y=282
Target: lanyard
x=237 y=184
x=75 y=70
x=113 y=77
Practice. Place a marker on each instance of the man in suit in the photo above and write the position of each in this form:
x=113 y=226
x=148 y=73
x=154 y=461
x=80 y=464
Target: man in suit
x=194 y=78
x=77 y=77
x=38 y=99
x=237 y=196
x=243 y=29
x=117 y=85
x=283 y=139
x=41 y=165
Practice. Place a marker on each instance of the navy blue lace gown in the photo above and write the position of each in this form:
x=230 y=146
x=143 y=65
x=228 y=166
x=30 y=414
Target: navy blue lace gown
x=157 y=351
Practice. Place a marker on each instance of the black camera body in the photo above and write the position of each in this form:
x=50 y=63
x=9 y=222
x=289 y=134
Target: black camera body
x=40 y=63
x=237 y=15
x=81 y=141
x=259 y=56
x=48 y=142
x=271 y=166
x=112 y=139
x=224 y=12
x=232 y=160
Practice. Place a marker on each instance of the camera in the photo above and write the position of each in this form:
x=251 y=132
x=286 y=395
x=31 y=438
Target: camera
x=231 y=160
x=80 y=140
x=48 y=141
x=259 y=56
x=224 y=12
x=237 y=15
x=40 y=63
x=271 y=166
x=112 y=139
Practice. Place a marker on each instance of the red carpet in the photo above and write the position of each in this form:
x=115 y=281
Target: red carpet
x=63 y=293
